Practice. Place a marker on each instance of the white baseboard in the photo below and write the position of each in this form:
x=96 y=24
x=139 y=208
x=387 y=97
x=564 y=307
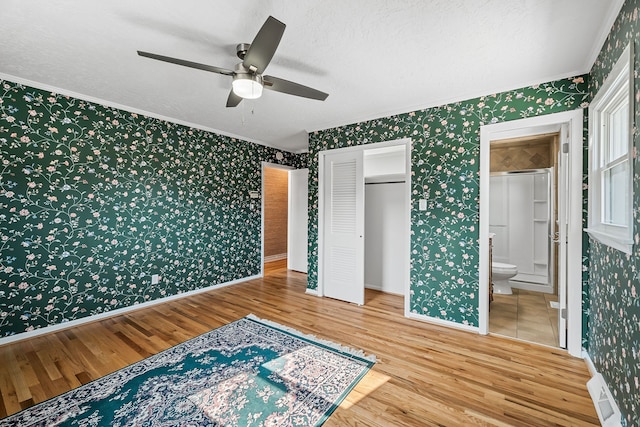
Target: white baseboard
x=592 y=368
x=312 y=292
x=381 y=288
x=276 y=257
x=442 y=322
x=117 y=312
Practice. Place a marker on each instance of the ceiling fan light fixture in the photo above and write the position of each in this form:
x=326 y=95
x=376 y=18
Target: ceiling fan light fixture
x=247 y=75
x=248 y=86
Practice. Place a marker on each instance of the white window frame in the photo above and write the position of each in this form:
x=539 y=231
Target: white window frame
x=617 y=89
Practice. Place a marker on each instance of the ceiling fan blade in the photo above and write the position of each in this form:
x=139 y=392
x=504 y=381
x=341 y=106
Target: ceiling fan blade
x=233 y=99
x=285 y=86
x=187 y=63
x=264 y=45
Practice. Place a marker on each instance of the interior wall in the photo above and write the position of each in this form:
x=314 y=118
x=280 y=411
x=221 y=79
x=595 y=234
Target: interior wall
x=276 y=190
x=96 y=200
x=385 y=161
x=384 y=228
x=614 y=278
x=445 y=159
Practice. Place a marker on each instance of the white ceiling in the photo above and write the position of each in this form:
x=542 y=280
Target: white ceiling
x=374 y=57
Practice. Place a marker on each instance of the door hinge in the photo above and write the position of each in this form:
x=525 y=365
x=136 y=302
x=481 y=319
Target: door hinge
x=563 y=313
x=565 y=147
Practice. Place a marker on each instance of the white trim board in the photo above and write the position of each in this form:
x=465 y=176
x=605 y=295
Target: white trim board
x=532 y=126
x=442 y=322
x=117 y=312
x=587 y=359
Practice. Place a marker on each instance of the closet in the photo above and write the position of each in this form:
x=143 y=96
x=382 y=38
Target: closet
x=384 y=219
x=364 y=221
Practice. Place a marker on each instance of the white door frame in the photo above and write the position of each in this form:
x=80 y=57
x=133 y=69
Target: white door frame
x=272 y=166
x=407 y=233
x=533 y=126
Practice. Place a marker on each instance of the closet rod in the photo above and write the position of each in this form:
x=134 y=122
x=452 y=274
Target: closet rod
x=385 y=182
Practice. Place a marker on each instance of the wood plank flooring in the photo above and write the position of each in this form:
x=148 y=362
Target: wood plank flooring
x=426 y=375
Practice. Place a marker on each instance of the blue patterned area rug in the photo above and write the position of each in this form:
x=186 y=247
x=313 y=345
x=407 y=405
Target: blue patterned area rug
x=248 y=373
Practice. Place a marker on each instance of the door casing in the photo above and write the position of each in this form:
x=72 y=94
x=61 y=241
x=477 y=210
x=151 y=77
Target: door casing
x=573 y=123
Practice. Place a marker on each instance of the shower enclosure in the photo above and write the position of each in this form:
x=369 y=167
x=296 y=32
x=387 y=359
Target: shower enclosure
x=521 y=216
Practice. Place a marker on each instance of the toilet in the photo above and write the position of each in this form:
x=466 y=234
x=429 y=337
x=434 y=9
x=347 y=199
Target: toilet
x=501 y=273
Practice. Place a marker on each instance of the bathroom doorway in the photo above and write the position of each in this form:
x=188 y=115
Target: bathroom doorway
x=523 y=220
x=568 y=173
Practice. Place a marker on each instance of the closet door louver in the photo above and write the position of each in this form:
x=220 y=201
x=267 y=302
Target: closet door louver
x=344 y=231
x=343 y=197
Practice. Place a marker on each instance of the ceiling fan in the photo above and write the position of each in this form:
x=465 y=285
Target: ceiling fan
x=248 y=78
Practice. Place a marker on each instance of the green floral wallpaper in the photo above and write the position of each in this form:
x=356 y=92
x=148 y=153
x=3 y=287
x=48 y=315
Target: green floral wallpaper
x=614 y=332
x=94 y=200
x=445 y=164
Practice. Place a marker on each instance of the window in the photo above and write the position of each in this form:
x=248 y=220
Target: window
x=610 y=162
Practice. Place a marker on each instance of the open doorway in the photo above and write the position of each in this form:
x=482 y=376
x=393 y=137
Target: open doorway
x=523 y=223
x=569 y=126
x=284 y=218
x=275 y=206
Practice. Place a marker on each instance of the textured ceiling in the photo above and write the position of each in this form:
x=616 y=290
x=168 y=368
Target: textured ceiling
x=374 y=57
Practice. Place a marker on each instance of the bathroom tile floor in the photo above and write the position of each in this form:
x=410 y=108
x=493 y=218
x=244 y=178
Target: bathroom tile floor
x=525 y=315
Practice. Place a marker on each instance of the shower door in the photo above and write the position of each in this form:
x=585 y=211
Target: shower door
x=520 y=216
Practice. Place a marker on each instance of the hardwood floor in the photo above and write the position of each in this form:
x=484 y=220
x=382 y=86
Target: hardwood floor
x=425 y=375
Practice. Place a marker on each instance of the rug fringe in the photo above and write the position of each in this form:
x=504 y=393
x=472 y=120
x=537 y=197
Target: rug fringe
x=339 y=347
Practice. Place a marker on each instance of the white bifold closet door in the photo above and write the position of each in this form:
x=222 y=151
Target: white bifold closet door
x=343 y=253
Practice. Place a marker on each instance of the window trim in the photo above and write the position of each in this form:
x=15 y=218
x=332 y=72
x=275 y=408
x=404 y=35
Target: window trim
x=618 y=84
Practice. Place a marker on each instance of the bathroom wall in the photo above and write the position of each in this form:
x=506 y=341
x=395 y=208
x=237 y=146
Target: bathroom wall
x=95 y=200
x=513 y=155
